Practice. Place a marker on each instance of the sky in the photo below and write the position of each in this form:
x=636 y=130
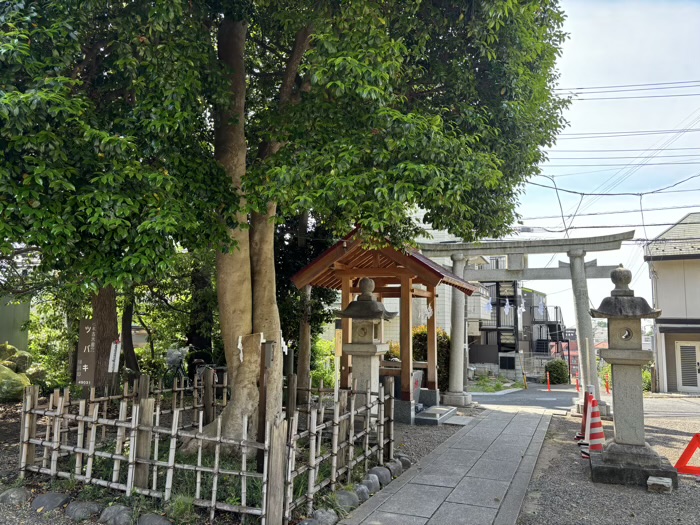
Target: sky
x=612 y=43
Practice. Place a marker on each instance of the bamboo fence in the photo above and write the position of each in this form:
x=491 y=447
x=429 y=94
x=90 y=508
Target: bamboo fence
x=130 y=442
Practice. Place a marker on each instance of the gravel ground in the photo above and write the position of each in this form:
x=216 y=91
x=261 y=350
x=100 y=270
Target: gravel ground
x=419 y=440
x=561 y=492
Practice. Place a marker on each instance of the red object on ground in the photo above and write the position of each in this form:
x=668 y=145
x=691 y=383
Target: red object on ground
x=682 y=464
x=584 y=444
x=578 y=385
x=582 y=433
x=597 y=436
x=549 y=387
x=607 y=384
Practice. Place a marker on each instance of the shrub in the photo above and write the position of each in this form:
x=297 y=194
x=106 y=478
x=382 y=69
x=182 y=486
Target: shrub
x=646 y=379
x=323 y=363
x=420 y=353
x=558 y=371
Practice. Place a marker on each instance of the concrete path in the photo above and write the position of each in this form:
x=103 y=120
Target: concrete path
x=477 y=477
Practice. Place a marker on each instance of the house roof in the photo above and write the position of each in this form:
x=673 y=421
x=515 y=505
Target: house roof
x=682 y=240
x=327 y=270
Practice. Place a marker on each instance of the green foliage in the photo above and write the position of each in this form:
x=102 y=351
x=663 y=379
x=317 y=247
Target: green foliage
x=558 y=371
x=646 y=379
x=11 y=385
x=323 y=363
x=181 y=509
x=434 y=105
x=420 y=353
x=106 y=161
x=486 y=383
x=52 y=341
x=291 y=255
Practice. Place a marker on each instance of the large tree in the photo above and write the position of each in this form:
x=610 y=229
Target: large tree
x=105 y=144
x=362 y=111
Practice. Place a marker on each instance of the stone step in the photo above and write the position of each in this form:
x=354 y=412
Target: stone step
x=435 y=415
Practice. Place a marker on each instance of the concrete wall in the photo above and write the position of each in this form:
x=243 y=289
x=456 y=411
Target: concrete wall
x=671 y=372
x=12 y=318
x=677 y=283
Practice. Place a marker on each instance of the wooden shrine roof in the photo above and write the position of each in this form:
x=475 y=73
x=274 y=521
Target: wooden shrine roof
x=347 y=258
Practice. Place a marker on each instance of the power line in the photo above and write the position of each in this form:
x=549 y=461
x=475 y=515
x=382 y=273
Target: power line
x=625 y=157
x=607 y=226
x=639 y=97
x=628 y=133
x=630 y=90
x=665 y=189
x=631 y=85
x=618 y=150
x=678 y=163
x=614 y=212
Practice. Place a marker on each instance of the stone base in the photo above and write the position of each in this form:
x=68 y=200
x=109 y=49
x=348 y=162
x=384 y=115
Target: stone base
x=435 y=415
x=457 y=399
x=605 y=409
x=630 y=465
x=429 y=398
x=404 y=411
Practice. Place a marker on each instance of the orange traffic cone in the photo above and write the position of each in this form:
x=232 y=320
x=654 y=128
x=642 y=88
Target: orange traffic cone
x=581 y=433
x=584 y=443
x=597 y=436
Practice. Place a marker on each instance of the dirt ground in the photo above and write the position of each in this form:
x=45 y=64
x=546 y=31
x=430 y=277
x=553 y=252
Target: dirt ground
x=561 y=493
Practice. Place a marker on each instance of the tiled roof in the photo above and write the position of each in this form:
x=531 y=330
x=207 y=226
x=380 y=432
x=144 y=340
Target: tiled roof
x=681 y=239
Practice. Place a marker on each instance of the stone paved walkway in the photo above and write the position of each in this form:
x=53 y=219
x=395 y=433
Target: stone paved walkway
x=477 y=477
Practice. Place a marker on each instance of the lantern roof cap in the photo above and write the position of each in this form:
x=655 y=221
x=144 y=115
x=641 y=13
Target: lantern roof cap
x=366 y=306
x=622 y=304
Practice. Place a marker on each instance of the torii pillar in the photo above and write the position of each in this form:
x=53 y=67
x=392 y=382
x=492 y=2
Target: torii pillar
x=456 y=396
x=584 y=325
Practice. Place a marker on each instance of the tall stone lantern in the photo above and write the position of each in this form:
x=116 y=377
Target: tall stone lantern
x=366 y=351
x=627 y=458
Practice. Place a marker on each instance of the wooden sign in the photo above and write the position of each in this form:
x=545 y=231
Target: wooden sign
x=86 y=361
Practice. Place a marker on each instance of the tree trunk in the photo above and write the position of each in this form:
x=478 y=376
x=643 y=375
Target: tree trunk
x=201 y=314
x=266 y=319
x=104 y=315
x=234 y=284
x=130 y=360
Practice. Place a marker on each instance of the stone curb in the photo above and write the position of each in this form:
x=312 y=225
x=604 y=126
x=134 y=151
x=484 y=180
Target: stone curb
x=509 y=510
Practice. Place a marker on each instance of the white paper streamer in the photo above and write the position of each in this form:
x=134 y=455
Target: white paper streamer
x=240 y=347
x=284 y=346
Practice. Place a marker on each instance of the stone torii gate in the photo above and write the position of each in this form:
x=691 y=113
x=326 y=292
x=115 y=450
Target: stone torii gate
x=516 y=252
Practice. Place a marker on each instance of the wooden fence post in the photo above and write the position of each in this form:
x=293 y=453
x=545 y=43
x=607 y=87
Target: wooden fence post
x=276 y=471
x=143 y=442
x=312 y=462
x=209 y=395
x=380 y=425
x=390 y=415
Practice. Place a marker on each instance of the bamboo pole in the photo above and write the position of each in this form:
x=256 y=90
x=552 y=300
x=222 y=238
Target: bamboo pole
x=367 y=415
x=171 y=457
x=380 y=425
x=351 y=431
x=156 y=443
x=56 y=446
x=244 y=462
x=93 y=439
x=266 y=459
x=291 y=464
x=198 y=488
x=81 y=438
x=133 y=445
x=215 y=480
x=27 y=453
x=45 y=459
x=312 y=463
x=119 y=446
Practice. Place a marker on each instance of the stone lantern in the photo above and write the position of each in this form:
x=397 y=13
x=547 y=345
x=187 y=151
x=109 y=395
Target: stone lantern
x=366 y=312
x=627 y=458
